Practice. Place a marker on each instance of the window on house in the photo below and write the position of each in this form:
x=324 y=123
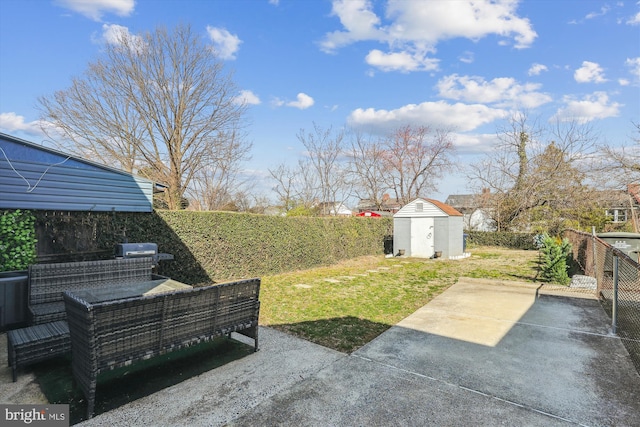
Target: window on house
x=617 y=215
x=419 y=207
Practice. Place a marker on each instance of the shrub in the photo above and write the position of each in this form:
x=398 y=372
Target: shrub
x=502 y=239
x=17 y=240
x=555 y=255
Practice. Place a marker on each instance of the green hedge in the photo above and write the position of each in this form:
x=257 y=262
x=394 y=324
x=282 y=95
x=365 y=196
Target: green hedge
x=17 y=240
x=217 y=246
x=228 y=245
x=504 y=239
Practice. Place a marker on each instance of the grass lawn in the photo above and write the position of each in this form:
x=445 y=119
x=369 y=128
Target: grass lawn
x=345 y=306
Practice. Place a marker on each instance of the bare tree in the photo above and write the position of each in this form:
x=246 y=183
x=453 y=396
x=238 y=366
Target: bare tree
x=285 y=186
x=252 y=203
x=325 y=150
x=535 y=173
x=216 y=184
x=414 y=159
x=366 y=169
x=296 y=187
x=159 y=102
x=622 y=163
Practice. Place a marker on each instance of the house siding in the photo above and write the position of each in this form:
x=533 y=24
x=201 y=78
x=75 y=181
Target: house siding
x=33 y=177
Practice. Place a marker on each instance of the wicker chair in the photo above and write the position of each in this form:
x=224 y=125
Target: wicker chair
x=49 y=334
x=110 y=334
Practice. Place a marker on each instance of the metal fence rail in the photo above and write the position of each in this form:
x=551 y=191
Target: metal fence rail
x=618 y=278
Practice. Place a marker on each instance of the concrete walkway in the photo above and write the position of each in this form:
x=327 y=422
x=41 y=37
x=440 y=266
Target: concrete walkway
x=481 y=354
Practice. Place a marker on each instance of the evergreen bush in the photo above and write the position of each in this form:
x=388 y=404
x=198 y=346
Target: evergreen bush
x=555 y=255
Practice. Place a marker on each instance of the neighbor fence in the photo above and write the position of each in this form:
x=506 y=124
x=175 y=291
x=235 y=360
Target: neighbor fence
x=618 y=278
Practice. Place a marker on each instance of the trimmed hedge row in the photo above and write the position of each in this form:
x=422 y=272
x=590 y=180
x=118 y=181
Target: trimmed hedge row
x=504 y=239
x=217 y=246
x=228 y=245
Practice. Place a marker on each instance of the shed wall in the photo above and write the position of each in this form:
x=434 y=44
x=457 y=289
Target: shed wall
x=442 y=233
x=449 y=236
x=402 y=235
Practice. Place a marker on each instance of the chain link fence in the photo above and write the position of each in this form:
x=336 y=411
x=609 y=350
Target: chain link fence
x=618 y=285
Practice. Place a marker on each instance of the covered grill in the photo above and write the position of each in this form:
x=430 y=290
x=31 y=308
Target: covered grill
x=139 y=250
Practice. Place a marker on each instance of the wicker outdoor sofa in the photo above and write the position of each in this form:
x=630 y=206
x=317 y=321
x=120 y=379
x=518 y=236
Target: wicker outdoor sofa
x=48 y=335
x=106 y=334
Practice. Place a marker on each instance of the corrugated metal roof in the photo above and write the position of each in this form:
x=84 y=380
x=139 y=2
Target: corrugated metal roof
x=37 y=177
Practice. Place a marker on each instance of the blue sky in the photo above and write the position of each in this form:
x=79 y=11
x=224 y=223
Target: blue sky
x=370 y=65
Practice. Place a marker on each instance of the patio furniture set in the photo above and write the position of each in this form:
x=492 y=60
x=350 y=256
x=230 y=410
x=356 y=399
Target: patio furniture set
x=113 y=313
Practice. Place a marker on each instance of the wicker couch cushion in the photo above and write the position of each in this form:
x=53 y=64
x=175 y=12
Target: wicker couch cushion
x=37 y=343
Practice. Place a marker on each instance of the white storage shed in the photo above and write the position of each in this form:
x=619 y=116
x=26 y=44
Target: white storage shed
x=426 y=226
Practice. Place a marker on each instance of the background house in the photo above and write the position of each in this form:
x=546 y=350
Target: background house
x=387 y=204
x=622 y=207
x=475 y=216
x=426 y=226
x=37 y=177
x=334 y=209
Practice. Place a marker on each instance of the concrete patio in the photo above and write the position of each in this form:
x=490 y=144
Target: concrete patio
x=483 y=353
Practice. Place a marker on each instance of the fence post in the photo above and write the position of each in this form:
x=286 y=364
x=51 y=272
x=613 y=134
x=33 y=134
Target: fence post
x=594 y=254
x=614 y=309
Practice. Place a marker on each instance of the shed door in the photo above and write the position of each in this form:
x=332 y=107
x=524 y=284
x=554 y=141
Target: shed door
x=422 y=237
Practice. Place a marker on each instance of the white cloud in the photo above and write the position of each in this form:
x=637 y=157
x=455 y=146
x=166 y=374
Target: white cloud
x=590 y=72
x=536 y=69
x=413 y=29
x=634 y=20
x=434 y=21
x=359 y=21
x=11 y=122
x=303 y=101
x=634 y=65
x=603 y=11
x=591 y=107
x=247 y=97
x=400 y=61
x=467 y=57
x=460 y=117
x=116 y=34
x=225 y=44
x=95 y=9
x=474 y=143
x=502 y=91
